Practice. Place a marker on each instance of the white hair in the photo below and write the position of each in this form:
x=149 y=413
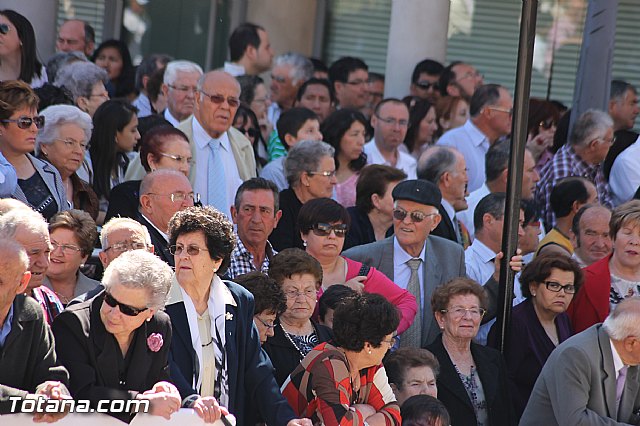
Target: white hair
x=143 y=270
x=28 y=220
x=173 y=67
x=122 y=222
x=9 y=246
x=59 y=115
x=301 y=66
x=80 y=77
x=622 y=322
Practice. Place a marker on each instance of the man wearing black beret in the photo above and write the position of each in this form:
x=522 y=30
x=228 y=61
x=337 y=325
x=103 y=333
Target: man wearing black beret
x=417 y=261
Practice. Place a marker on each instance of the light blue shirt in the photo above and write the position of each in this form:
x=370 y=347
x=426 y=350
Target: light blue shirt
x=473 y=144
x=478 y=259
x=6 y=327
x=402 y=272
x=274 y=171
x=8 y=178
x=473 y=199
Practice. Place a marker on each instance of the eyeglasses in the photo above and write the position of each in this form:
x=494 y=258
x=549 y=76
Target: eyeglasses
x=505 y=110
x=392 y=341
x=103 y=95
x=556 y=287
x=548 y=123
x=416 y=216
x=260 y=100
x=324 y=229
x=127 y=310
x=426 y=85
x=177 y=250
x=179 y=158
x=122 y=247
x=4 y=29
x=251 y=132
x=607 y=141
x=476 y=74
x=187 y=89
x=72 y=143
x=66 y=248
x=356 y=82
x=179 y=196
x=460 y=312
x=294 y=294
x=393 y=121
x=219 y=99
x=266 y=324
x=279 y=79
x=25 y=122
x=328 y=174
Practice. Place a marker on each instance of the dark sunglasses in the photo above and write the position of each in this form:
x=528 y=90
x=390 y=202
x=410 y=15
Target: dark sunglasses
x=324 y=229
x=251 y=132
x=219 y=99
x=426 y=85
x=127 y=310
x=25 y=122
x=4 y=29
x=416 y=216
x=548 y=123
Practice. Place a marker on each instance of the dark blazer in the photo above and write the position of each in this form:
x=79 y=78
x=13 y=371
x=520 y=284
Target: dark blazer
x=444 y=261
x=124 y=200
x=28 y=356
x=445 y=228
x=160 y=245
x=493 y=375
x=577 y=386
x=529 y=349
x=284 y=356
x=360 y=231
x=91 y=355
x=250 y=373
x=286 y=234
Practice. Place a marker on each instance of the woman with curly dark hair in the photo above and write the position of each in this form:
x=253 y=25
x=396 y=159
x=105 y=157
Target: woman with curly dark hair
x=115 y=133
x=216 y=360
x=346 y=132
x=338 y=384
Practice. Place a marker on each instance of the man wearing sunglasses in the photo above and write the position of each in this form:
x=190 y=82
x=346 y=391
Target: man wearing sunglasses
x=424 y=80
x=162 y=194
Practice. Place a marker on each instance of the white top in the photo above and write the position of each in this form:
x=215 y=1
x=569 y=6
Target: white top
x=624 y=178
x=273 y=113
x=406 y=162
x=402 y=271
x=274 y=171
x=232 y=177
x=617 y=361
x=451 y=212
x=170 y=118
x=39 y=81
x=143 y=104
x=473 y=145
x=473 y=199
x=234 y=69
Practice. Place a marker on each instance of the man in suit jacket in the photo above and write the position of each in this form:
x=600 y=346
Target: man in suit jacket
x=162 y=194
x=445 y=167
x=592 y=378
x=28 y=362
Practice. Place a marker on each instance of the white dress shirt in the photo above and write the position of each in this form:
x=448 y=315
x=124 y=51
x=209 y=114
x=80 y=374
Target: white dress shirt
x=473 y=145
x=143 y=104
x=170 y=118
x=274 y=171
x=234 y=69
x=402 y=271
x=473 y=199
x=232 y=177
x=478 y=259
x=624 y=178
x=406 y=162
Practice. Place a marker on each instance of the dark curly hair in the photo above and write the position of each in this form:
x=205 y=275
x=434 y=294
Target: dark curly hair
x=362 y=318
x=217 y=230
x=332 y=297
x=267 y=293
x=540 y=268
x=321 y=210
x=293 y=261
x=335 y=126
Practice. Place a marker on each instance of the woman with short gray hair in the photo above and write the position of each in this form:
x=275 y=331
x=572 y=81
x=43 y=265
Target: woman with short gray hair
x=63 y=143
x=116 y=345
x=86 y=81
x=311 y=172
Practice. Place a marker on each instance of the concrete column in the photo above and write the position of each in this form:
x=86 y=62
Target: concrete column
x=418 y=30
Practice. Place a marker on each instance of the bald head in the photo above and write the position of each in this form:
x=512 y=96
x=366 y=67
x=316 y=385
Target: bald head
x=162 y=194
x=217 y=101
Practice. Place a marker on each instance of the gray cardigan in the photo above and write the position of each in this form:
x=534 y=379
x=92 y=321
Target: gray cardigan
x=51 y=178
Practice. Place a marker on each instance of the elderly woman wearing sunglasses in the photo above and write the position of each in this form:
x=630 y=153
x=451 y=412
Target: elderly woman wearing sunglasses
x=323 y=224
x=116 y=345
x=39 y=183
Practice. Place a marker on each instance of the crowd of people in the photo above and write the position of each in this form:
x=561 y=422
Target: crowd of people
x=303 y=249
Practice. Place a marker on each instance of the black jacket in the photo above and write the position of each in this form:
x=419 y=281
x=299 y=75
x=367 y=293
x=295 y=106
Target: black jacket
x=284 y=356
x=160 y=245
x=361 y=231
x=445 y=228
x=286 y=234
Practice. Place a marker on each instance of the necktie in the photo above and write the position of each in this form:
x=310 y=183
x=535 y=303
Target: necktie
x=216 y=189
x=620 y=382
x=413 y=336
x=462 y=233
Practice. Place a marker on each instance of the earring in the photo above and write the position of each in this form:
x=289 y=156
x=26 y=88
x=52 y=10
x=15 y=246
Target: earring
x=82 y=265
x=533 y=294
x=369 y=351
x=149 y=319
x=304 y=243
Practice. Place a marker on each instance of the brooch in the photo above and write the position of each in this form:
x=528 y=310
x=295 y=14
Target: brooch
x=155 y=342
x=228 y=316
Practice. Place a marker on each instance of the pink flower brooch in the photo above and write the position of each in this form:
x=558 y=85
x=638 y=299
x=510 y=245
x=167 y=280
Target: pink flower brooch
x=155 y=342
